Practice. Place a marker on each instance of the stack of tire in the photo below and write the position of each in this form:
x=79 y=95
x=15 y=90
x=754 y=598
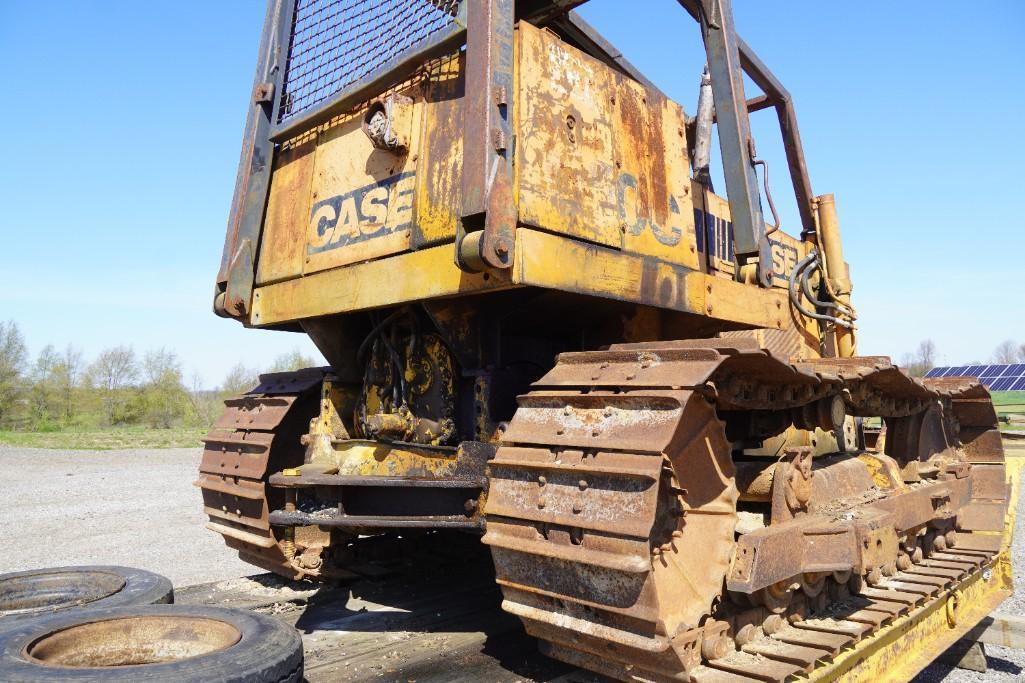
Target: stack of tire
x=119 y=624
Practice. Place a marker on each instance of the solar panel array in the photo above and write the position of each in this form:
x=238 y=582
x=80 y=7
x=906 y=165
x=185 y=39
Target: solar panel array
x=995 y=377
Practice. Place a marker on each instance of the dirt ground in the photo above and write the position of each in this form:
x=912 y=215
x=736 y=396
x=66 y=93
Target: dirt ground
x=440 y=622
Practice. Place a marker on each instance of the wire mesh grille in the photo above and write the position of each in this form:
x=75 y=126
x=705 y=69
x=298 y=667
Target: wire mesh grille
x=335 y=43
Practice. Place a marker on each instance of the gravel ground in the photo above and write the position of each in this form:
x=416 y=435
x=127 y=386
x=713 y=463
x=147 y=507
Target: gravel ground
x=131 y=507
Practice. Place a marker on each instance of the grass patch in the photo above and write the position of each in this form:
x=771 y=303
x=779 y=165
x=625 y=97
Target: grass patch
x=1010 y=401
x=106 y=439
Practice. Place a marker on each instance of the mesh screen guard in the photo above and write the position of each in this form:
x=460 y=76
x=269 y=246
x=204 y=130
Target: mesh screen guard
x=335 y=43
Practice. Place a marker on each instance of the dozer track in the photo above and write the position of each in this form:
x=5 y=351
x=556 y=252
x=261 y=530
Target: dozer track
x=257 y=435
x=260 y=434
x=613 y=506
x=612 y=512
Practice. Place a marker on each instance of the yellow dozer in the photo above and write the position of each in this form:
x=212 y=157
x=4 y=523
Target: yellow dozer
x=546 y=329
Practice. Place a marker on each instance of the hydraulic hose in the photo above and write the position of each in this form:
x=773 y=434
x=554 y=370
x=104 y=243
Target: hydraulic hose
x=795 y=297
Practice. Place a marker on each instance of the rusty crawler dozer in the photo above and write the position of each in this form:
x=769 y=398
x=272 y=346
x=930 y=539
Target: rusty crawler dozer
x=544 y=327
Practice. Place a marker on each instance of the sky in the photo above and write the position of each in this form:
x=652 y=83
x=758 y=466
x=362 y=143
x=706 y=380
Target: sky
x=123 y=124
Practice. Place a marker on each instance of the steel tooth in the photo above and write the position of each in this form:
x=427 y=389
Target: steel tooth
x=961 y=569
x=932 y=583
x=799 y=655
x=756 y=667
x=704 y=674
x=874 y=618
x=853 y=629
x=939 y=572
x=830 y=642
x=892 y=608
x=895 y=596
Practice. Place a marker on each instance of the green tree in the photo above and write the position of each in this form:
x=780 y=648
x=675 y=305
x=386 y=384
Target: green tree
x=13 y=359
x=44 y=393
x=55 y=387
x=239 y=380
x=112 y=376
x=289 y=362
x=69 y=380
x=206 y=405
x=165 y=401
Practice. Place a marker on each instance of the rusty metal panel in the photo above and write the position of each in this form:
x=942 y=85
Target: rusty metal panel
x=557 y=263
x=975 y=412
x=989 y=482
x=623 y=148
x=288 y=212
x=652 y=173
x=337 y=199
x=438 y=184
x=565 y=149
x=982 y=516
x=982 y=444
x=550 y=261
x=788 y=344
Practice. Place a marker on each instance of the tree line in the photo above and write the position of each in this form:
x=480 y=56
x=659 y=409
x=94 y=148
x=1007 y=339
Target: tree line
x=59 y=388
x=923 y=358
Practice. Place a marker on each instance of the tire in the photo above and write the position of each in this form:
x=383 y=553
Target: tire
x=45 y=591
x=154 y=643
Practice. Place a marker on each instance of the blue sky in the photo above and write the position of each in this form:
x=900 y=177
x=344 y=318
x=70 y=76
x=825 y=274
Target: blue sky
x=123 y=122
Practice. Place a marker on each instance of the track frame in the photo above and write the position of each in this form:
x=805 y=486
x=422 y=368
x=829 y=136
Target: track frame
x=910 y=643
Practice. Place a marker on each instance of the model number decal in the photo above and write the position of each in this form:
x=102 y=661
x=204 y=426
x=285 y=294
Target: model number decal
x=667 y=235
x=363 y=214
x=715 y=238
